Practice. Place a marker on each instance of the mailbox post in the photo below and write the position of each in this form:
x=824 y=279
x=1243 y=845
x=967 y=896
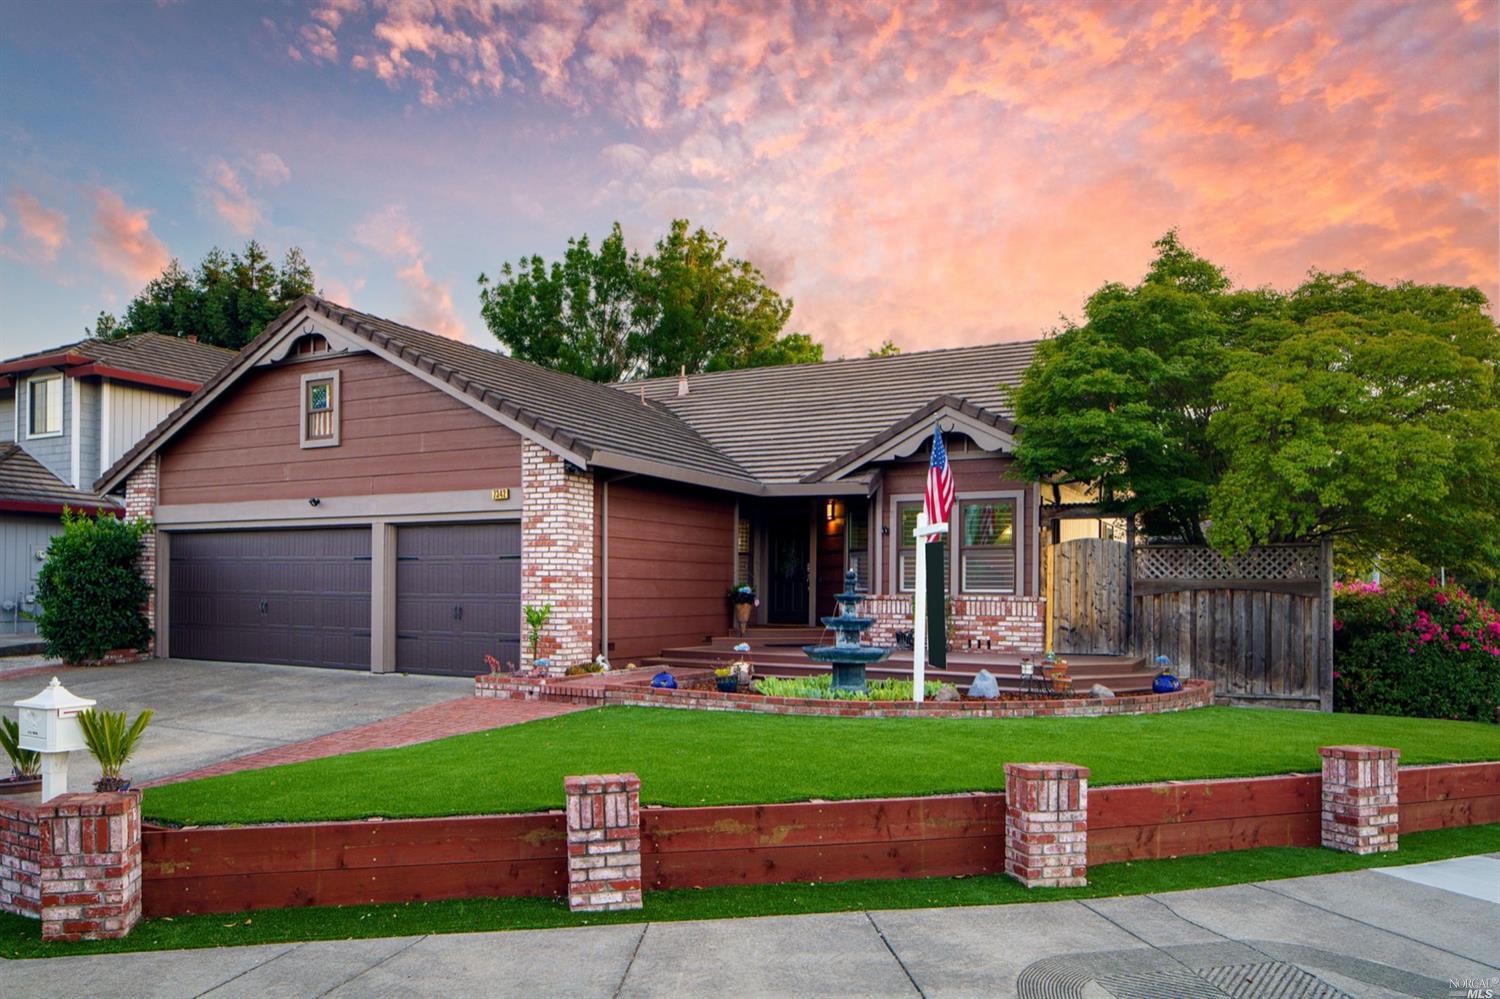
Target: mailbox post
x=49 y=725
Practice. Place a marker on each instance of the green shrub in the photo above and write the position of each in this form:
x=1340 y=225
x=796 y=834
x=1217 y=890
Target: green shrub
x=820 y=687
x=92 y=597
x=1415 y=649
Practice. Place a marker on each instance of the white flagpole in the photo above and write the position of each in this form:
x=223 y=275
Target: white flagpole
x=919 y=614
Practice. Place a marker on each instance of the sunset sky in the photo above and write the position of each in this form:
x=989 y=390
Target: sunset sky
x=936 y=174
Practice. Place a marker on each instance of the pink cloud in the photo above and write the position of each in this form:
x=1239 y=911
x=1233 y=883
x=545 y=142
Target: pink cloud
x=389 y=233
x=43 y=228
x=230 y=199
x=122 y=238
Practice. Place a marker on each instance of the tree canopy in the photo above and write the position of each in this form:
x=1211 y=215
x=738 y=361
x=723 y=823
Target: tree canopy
x=1341 y=408
x=608 y=314
x=226 y=300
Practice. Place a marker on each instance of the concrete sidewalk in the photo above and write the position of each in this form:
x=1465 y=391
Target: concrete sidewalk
x=1358 y=934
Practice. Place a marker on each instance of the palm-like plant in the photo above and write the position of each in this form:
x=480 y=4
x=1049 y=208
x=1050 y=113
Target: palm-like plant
x=111 y=742
x=25 y=763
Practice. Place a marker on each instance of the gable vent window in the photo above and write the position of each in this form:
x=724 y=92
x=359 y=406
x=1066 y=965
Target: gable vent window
x=320 y=409
x=312 y=343
x=44 y=406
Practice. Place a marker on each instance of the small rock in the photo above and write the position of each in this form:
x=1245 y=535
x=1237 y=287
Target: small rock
x=947 y=692
x=984 y=686
x=1100 y=690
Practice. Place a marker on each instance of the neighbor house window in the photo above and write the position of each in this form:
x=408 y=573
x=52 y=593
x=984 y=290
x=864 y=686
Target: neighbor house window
x=320 y=409
x=44 y=406
x=987 y=545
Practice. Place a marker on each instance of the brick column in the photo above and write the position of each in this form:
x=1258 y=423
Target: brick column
x=1360 y=798
x=1046 y=824
x=140 y=504
x=557 y=554
x=604 y=842
x=20 y=860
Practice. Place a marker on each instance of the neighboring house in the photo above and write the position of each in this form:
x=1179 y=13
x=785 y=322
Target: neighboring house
x=66 y=414
x=353 y=492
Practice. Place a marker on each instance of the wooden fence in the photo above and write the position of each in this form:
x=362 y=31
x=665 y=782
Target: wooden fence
x=1259 y=625
x=403 y=860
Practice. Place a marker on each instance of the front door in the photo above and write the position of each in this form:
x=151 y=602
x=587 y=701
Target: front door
x=786 y=571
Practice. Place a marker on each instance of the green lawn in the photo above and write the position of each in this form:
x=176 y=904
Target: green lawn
x=699 y=757
x=21 y=938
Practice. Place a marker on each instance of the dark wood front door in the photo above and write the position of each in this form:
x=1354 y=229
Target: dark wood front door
x=786 y=570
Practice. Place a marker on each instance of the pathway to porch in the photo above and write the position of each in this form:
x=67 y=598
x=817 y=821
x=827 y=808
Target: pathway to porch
x=777 y=651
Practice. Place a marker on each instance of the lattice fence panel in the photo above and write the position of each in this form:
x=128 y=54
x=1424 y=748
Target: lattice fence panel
x=1270 y=562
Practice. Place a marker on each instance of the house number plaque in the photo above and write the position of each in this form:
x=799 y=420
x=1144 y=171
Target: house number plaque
x=499 y=495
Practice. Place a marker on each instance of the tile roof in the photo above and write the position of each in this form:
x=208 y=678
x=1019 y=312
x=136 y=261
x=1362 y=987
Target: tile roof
x=145 y=353
x=23 y=479
x=782 y=424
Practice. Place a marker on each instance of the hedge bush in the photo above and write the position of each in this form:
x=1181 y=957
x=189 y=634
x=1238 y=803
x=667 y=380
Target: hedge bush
x=91 y=595
x=1415 y=649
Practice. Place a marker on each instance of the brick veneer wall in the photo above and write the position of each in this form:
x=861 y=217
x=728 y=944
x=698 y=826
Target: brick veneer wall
x=1046 y=824
x=1361 y=812
x=75 y=863
x=1008 y=624
x=141 y=490
x=557 y=553
x=604 y=842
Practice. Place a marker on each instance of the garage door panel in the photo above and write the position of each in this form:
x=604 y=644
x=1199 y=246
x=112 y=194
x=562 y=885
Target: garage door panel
x=294 y=597
x=457 y=596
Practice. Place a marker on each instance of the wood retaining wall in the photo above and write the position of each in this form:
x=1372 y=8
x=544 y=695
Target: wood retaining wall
x=344 y=863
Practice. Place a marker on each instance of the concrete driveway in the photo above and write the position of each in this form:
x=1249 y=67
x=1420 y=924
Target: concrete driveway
x=207 y=712
x=1362 y=934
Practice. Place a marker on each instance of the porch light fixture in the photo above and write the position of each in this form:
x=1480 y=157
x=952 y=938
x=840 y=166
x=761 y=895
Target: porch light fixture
x=834 y=510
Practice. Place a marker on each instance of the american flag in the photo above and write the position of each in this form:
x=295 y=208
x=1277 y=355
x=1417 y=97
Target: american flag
x=937 y=501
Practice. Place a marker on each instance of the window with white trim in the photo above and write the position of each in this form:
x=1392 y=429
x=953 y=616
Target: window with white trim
x=320 y=409
x=987 y=545
x=906 y=550
x=44 y=405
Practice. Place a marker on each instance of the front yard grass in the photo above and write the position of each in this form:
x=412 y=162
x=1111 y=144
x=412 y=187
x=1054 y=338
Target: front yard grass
x=21 y=937
x=712 y=758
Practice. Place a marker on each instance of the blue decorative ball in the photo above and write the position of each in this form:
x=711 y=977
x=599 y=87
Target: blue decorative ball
x=664 y=680
x=1165 y=683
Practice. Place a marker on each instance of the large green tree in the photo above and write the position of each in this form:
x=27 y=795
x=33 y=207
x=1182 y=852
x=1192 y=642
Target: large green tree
x=226 y=300
x=608 y=314
x=1342 y=408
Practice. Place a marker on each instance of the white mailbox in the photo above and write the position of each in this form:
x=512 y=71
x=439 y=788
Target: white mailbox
x=49 y=721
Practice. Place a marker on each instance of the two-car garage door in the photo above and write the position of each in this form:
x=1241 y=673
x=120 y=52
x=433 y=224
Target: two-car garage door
x=303 y=597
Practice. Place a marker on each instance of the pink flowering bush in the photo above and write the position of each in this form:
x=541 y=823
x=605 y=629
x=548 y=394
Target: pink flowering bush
x=1415 y=649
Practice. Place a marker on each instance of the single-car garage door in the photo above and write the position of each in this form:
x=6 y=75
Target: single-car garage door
x=458 y=597
x=295 y=597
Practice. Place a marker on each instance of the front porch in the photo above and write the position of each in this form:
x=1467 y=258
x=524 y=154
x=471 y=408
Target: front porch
x=777 y=651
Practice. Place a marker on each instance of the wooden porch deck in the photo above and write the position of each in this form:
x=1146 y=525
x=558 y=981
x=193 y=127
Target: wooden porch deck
x=778 y=652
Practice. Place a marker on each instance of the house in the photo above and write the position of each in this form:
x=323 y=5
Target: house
x=356 y=493
x=66 y=414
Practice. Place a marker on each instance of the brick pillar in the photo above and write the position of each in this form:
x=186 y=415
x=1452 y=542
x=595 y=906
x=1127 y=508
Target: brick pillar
x=140 y=504
x=91 y=873
x=557 y=554
x=1360 y=812
x=604 y=842
x=1046 y=824
x=20 y=860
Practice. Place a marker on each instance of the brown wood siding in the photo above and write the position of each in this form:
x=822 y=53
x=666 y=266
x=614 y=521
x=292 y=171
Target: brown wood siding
x=398 y=435
x=970 y=475
x=670 y=561
x=830 y=560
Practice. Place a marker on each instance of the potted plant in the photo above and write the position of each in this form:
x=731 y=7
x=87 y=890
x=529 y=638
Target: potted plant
x=726 y=680
x=536 y=620
x=742 y=599
x=25 y=765
x=111 y=741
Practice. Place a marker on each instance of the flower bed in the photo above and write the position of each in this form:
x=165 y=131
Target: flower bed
x=1415 y=649
x=695 y=691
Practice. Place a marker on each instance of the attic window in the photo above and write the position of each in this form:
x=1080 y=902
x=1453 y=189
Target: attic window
x=320 y=409
x=312 y=343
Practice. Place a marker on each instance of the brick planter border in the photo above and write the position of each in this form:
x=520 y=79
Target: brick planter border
x=588 y=690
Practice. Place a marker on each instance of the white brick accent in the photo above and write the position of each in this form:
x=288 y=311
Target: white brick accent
x=140 y=504
x=557 y=554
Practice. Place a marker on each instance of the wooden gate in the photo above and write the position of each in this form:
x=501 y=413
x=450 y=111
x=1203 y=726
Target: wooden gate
x=1260 y=625
x=1089 y=597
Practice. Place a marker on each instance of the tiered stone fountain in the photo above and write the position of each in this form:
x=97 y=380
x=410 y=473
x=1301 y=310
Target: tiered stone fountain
x=847 y=655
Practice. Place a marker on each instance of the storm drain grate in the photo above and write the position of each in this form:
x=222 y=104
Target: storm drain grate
x=1270 y=980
